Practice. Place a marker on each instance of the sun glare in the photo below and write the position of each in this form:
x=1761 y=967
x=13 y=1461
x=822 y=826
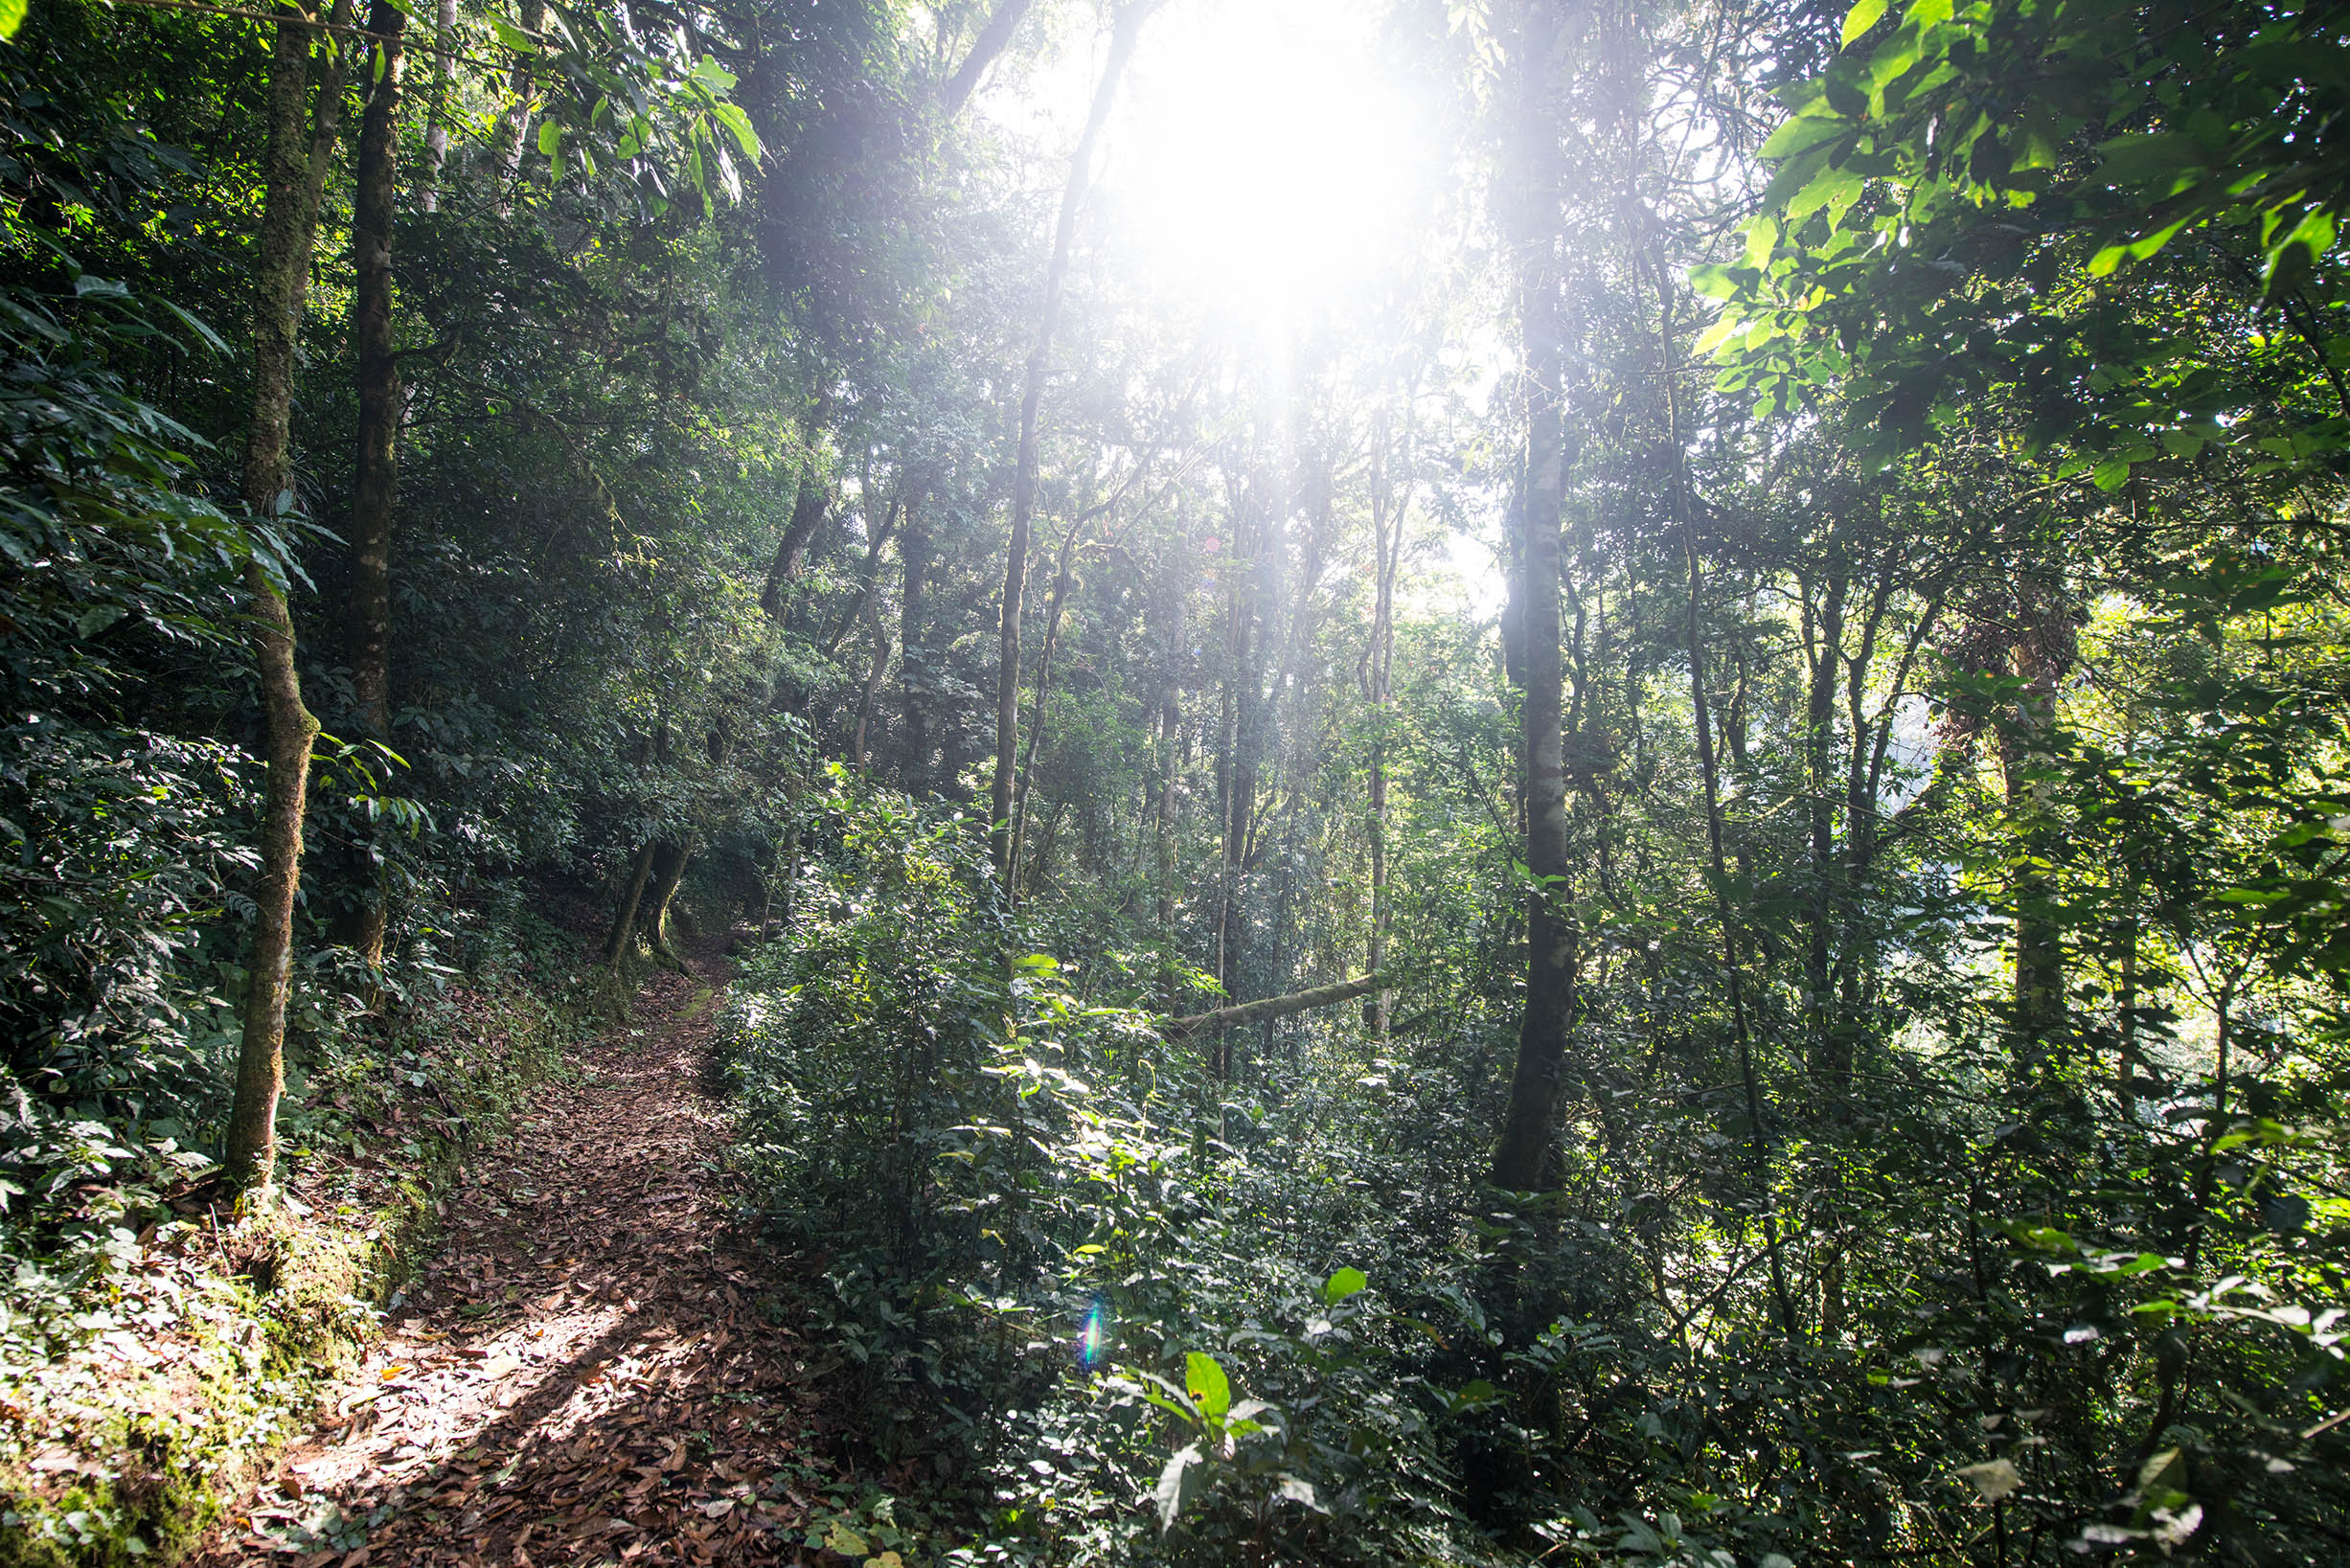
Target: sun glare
x=1265 y=156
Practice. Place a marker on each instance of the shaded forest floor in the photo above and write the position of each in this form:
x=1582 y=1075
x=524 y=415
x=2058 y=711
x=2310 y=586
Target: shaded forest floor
x=598 y=1367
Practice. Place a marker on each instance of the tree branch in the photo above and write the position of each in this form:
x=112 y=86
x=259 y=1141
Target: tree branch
x=1279 y=1007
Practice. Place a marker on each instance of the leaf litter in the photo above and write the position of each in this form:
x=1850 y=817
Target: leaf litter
x=581 y=1377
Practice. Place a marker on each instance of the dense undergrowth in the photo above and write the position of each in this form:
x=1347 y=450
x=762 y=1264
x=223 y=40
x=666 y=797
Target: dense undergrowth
x=1107 y=1309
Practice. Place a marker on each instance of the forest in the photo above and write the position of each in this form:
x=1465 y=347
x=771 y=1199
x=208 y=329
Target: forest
x=1041 y=783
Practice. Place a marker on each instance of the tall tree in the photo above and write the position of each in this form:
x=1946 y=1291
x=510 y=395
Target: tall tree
x=1124 y=31
x=1530 y=190
x=296 y=166
x=382 y=405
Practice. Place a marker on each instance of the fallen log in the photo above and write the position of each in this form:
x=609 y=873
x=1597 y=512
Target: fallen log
x=1279 y=1007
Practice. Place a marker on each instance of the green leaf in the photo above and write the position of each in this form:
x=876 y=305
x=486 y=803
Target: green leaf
x=12 y=17
x=1762 y=238
x=1342 y=1284
x=550 y=138
x=1295 y=1489
x=1994 y=1479
x=2312 y=235
x=94 y=620
x=1802 y=133
x=1715 y=335
x=513 y=36
x=1207 y=1384
x=1860 y=19
x=732 y=116
x=1177 y=1484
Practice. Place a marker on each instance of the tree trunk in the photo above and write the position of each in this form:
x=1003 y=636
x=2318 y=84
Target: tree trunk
x=1001 y=24
x=1682 y=513
x=1521 y=1160
x=1825 y=647
x=1237 y=768
x=868 y=585
x=623 y=920
x=381 y=404
x=2038 y=659
x=288 y=235
x=1124 y=32
x=379 y=377
x=669 y=864
x=1272 y=1008
x=913 y=669
x=808 y=508
x=436 y=135
x=1044 y=688
x=873 y=681
x=506 y=145
x=1387 y=542
x=1169 y=601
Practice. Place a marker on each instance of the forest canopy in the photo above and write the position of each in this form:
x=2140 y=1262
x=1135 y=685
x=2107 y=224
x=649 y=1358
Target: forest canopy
x=1504 y=781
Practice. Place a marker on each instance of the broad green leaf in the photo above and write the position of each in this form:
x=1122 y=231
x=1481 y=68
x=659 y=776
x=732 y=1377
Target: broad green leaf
x=1295 y=1489
x=1860 y=19
x=1207 y=1385
x=1994 y=1479
x=732 y=116
x=1177 y=1482
x=12 y=18
x=1762 y=238
x=1804 y=131
x=92 y=621
x=1342 y=1284
x=550 y=138
x=513 y=36
x=2313 y=236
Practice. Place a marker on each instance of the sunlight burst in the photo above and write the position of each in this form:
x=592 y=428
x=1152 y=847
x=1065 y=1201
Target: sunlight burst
x=1270 y=157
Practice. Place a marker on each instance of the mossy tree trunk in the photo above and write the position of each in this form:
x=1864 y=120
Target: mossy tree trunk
x=289 y=216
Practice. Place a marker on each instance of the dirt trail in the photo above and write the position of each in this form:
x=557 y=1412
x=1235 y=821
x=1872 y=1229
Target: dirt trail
x=591 y=1371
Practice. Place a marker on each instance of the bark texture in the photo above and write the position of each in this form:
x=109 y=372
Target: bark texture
x=808 y=510
x=1276 y=1006
x=914 y=552
x=288 y=225
x=623 y=917
x=436 y=134
x=380 y=402
x=506 y=145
